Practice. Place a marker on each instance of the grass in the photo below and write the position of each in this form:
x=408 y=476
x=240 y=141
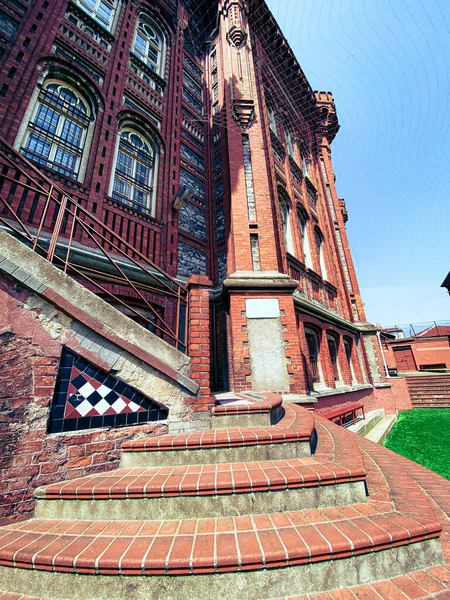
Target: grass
x=423 y=435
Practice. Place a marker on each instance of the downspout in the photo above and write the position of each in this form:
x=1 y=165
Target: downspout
x=382 y=354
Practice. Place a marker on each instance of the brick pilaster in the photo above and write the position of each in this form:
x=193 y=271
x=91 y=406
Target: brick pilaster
x=199 y=343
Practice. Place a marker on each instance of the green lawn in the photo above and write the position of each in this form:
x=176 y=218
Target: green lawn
x=423 y=435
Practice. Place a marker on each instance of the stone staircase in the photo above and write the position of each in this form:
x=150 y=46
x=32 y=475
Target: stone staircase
x=376 y=426
x=293 y=505
x=429 y=391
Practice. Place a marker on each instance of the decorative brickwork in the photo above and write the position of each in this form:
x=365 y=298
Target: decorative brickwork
x=86 y=397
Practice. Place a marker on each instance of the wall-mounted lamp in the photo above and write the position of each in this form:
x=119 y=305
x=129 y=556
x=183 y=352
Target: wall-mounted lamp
x=184 y=195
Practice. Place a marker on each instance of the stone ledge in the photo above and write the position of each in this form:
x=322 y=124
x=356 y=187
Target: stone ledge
x=343 y=390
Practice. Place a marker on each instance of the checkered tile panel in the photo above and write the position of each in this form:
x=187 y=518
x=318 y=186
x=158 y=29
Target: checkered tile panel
x=87 y=397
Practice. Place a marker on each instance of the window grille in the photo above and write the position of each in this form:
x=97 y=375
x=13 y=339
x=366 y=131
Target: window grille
x=56 y=133
x=134 y=171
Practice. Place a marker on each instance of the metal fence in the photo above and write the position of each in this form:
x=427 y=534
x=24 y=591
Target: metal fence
x=424 y=329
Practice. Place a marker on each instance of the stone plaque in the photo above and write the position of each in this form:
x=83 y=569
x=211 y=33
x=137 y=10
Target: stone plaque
x=262 y=308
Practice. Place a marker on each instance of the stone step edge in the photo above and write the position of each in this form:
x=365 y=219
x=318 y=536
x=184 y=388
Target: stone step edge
x=270 y=403
x=296 y=426
x=174 y=553
x=278 y=475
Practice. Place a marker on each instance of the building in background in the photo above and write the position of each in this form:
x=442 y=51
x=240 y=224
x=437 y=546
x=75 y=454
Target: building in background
x=190 y=131
x=421 y=349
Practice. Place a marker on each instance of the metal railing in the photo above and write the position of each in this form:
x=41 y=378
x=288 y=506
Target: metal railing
x=420 y=330
x=58 y=227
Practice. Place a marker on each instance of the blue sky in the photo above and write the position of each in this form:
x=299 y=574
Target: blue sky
x=387 y=63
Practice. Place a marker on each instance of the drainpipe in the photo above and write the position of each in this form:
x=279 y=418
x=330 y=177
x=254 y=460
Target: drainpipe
x=382 y=354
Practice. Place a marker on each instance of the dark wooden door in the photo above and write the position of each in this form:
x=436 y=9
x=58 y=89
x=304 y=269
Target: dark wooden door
x=405 y=359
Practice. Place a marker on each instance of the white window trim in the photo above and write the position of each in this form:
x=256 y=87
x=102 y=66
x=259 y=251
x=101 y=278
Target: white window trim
x=30 y=114
x=160 y=67
x=93 y=12
x=153 y=182
x=305 y=239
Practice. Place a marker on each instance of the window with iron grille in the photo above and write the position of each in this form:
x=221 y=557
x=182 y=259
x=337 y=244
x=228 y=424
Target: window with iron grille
x=135 y=171
x=56 y=133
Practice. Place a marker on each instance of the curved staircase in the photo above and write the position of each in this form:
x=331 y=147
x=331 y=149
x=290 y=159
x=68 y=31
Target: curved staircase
x=295 y=505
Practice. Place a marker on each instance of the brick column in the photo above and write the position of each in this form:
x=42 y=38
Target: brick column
x=199 y=343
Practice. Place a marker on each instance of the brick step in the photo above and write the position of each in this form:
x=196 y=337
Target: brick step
x=435 y=377
x=162 y=557
x=290 y=438
x=203 y=490
x=431 y=385
x=433 y=582
x=431 y=398
x=429 y=389
x=430 y=405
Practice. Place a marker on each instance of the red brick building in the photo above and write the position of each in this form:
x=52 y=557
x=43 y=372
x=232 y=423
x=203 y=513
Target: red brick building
x=124 y=103
x=170 y=228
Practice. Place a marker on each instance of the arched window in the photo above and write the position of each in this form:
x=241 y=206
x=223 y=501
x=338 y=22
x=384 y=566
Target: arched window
x=149 y=46
x=135 y=170
x=285 y=211
x=319 y=243
x=303 y=226
x=100 y=10
x=56 y=133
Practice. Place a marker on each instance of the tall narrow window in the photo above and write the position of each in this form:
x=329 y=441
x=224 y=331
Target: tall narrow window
x=285 y=211
x=319 y=242
x=149 y=46
x=312 y=344
x=272 y=120
x=56 y=133
x=303 y=226
x=289 y=142
x=135 y=172
x=333 y=350
x=305 y=159
x=100 y=10
x=348 y=353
